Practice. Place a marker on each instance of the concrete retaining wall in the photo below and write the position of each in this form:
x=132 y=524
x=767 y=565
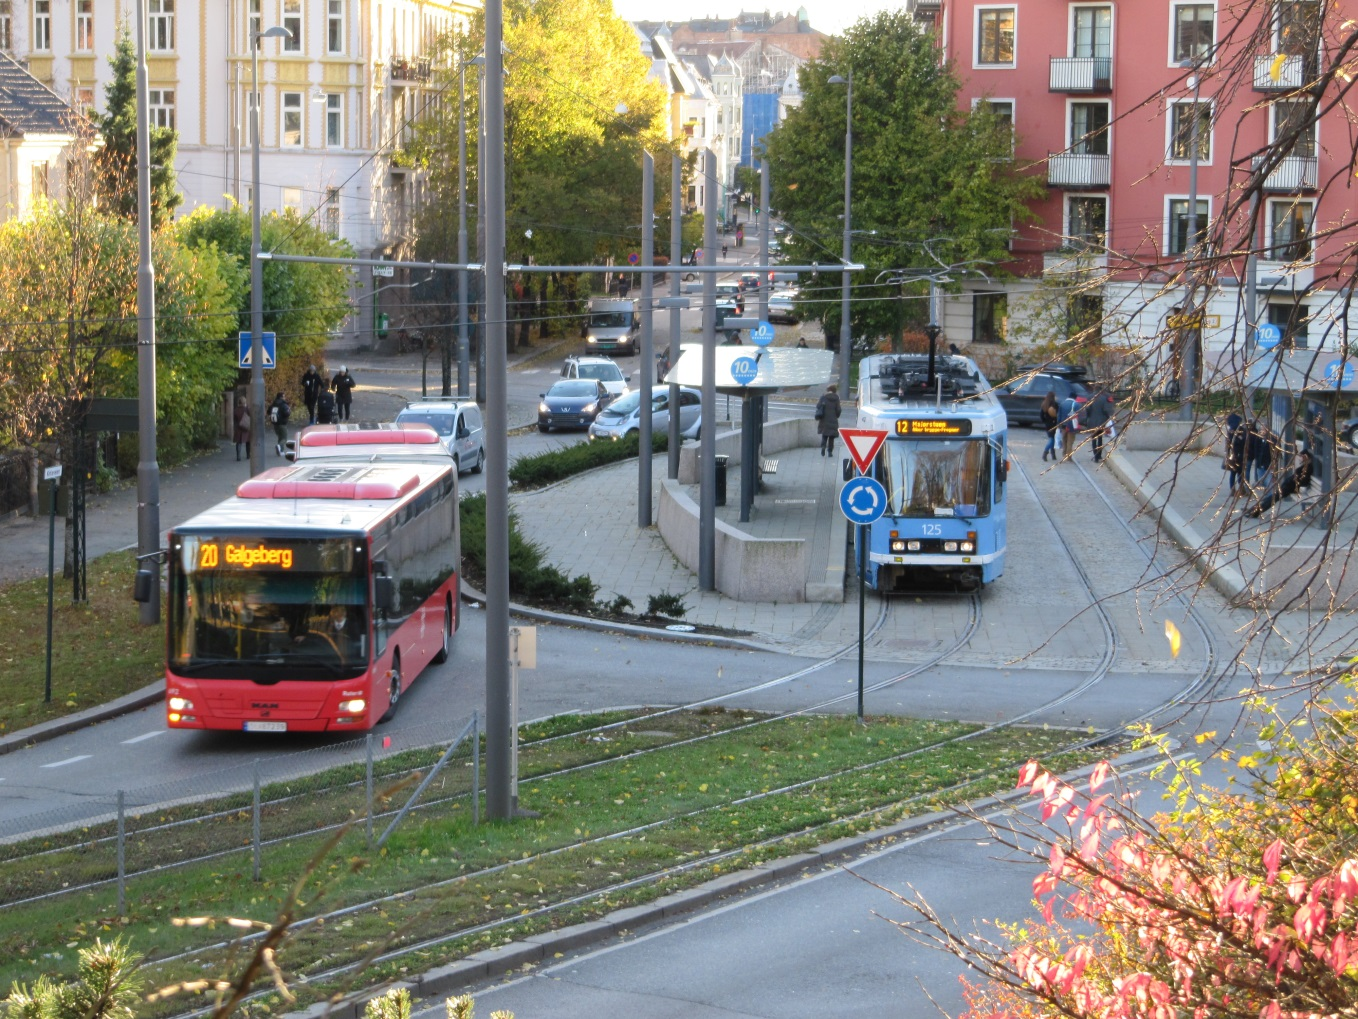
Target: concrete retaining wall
x=1160 y=435
x=789 y=433
x=748 y=568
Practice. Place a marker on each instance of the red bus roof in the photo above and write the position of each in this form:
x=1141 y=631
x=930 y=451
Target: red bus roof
x=368 y=435
x=329 y=481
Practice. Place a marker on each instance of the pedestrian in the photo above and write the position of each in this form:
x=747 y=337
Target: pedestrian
x=344 y=385
x=325 y=405
x=241 y=432
x=827 y=419
x=1297 y=478
x=723 y=251
x=1049 y=415
x=1070 y=424
x=311 y=388
x=1260 y=453
x=279 y=412
x=1098 y=415
x=801 y=342
x=1230 y=462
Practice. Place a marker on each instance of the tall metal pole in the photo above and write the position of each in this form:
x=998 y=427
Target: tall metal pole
x=765 y=285
x=499 y=721
x=707 y=445
x=676 y=288
x=463 y=343
x=644 y=458
x=148 y=470
x=845 y=334
x=256 y=275
x=481 y=236
x=1193 y=332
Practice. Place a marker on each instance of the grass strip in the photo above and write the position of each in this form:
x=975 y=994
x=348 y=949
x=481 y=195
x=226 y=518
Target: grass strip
x=665 y=809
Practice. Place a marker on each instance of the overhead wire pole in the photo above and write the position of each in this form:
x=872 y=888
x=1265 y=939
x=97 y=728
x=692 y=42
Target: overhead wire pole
x=148 y=469
x=765 y=284
x=463 y=342
x=500 y=801
x=676 y=287
x=644 y=458
x=707 y=439
x=845 y=336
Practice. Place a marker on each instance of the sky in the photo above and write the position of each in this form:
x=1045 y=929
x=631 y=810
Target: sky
x=828 y=16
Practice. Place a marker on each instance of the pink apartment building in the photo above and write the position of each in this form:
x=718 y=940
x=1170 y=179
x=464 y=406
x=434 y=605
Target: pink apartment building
x=1102 y=99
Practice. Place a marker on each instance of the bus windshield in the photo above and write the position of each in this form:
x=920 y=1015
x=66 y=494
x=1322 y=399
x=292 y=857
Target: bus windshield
x=936 y=477
x=265 y=608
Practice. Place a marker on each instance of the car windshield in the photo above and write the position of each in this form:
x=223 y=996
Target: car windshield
x=574 y=387
x=441 y=423
x=627 y=405
x=604 y=372
x=609 y=320
x=933 y=477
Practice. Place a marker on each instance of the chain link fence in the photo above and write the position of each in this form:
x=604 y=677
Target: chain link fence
x=369 y=783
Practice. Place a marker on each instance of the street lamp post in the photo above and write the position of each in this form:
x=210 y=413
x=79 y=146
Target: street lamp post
x=845 y=339
x=257 y=400
x=1191 y=333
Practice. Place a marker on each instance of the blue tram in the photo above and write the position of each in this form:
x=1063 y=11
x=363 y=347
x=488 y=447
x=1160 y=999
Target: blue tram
x=944 y=467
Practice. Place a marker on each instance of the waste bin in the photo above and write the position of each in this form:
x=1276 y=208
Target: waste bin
x=721 y=480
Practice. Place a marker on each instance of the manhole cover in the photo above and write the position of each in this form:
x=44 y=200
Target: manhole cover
x=681 y=627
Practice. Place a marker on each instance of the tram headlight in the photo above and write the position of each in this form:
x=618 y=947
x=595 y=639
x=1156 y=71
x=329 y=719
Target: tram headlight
x=968 y=546
x=898 y=544
x=912 y=546
x=180 y=704
x=353 y=707
x=950 y=546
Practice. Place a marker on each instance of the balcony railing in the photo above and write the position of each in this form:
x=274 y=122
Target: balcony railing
x=403 y=69
x=1081 y=74
x=1294 y=173
x=1078 y=170
x=1283 y=72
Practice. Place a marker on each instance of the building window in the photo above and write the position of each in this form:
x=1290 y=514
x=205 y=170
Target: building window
x=334 y=26
x=255 y=23
x=1087 y=221
x=1194 y=31
x=1089 y=129
x=1290 y=317
x=42 y=173
x=989 y=317
x=84 y=25
x=42 y=24
x=160 y=23
x=292 y=21
x=995 y=35
x=334 y=120
x=160 y=103
x=1182 y=125
x=84 y=98
x=1084 y=315
x=332 y=211
x=292 y=199
x=1178 y=225
x=1295 y=119
x=1289 y=230
x=292 y=120
x=1092 y=32
x=1297 y=27
x=6 y=25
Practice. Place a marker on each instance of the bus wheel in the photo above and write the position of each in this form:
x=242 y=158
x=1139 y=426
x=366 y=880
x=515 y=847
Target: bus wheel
x=442 y=655
x=395 y=689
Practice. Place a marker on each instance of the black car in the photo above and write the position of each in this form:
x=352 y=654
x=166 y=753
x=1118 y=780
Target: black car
x=1022 y=398
x=572 y=403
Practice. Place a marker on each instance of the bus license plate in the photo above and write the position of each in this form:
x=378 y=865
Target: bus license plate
x=266 y=726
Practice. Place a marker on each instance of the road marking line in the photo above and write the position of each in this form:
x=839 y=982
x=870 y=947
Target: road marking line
x=69 y=760
x=145 y=735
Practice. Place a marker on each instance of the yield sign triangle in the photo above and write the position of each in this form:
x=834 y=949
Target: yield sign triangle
x=863 y=444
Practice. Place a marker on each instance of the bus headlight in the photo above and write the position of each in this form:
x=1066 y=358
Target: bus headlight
x=968 y=546
x=353 y=707
x=180 y=704
x=950 y=546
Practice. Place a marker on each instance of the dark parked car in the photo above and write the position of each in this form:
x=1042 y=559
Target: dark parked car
x=1022 y=398
x=572 y=403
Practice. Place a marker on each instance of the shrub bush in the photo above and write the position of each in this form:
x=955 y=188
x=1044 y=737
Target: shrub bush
x=545 y=468
x=529 y=577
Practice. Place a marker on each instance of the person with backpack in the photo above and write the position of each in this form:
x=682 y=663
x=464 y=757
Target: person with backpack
x=1098 y=416
x=325 y=405
x=311 y=388
x=1070 y=424
x=344 y=385
x=279 y=412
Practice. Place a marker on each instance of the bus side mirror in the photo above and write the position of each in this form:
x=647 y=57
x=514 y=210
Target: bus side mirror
x=143 y=586
x=384 y=593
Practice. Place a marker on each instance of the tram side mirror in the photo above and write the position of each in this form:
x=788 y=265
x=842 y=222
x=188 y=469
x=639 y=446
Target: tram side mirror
x=143 y=586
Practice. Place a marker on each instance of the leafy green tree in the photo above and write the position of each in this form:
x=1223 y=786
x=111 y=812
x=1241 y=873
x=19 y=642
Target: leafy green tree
x=116 y=159
x=933 y=184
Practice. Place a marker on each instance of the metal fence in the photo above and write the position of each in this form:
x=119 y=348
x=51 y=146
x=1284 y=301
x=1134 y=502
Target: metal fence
x=369 y=784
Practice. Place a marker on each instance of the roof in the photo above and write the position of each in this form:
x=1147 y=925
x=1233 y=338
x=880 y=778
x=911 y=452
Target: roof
x=366 y=434
x=27 y=106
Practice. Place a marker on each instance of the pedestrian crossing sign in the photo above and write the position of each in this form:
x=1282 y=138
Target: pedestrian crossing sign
x=269 y=341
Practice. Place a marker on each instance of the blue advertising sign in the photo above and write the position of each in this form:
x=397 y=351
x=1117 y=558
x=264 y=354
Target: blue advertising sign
x=269 y=341
x=762 y=334
x=1339 y=373
x=744 y=370
x=862 y=500
x=1268 y=336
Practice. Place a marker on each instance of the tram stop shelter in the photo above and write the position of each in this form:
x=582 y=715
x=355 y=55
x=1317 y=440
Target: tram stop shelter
x=753 y=374
x=1308 y=388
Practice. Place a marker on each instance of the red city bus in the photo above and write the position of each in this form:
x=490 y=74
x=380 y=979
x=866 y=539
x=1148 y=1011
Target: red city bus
x=313 y=598
x=356 y=439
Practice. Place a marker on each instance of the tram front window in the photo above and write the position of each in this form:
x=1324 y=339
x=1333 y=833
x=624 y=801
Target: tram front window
x=936 y=477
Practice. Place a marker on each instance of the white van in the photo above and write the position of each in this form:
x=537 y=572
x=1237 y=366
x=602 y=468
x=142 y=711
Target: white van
x=460 y=428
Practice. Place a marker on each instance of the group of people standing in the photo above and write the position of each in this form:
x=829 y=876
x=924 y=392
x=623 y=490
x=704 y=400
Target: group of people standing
x=1252 y=453
x=328 y=401
x=1075 y=416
